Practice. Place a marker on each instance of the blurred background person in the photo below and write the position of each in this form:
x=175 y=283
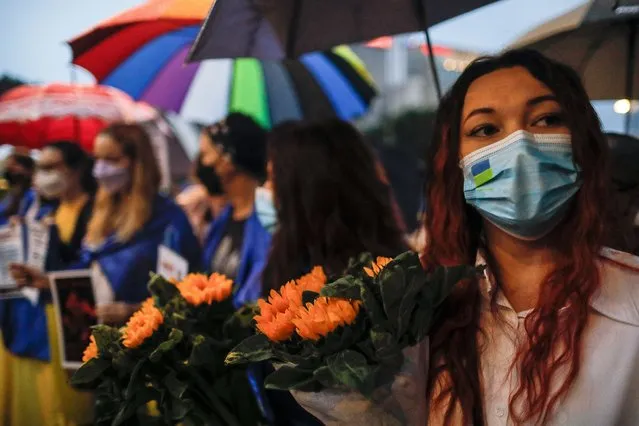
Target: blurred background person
x=18 y=173
x=331 y=204
x=237 y=244
x=204 y=200
x=37 y=385
x=623 y=206
x=130 y=221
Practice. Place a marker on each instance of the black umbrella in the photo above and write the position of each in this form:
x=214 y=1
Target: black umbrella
x=278 y=29
x=599 y=40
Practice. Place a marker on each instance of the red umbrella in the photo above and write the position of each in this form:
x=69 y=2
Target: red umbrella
x=33 y=115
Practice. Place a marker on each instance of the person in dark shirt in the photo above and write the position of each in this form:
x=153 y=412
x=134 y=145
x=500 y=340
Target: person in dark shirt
x=237 y=244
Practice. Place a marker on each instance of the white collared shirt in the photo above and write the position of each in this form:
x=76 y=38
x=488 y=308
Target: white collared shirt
x=606 y=391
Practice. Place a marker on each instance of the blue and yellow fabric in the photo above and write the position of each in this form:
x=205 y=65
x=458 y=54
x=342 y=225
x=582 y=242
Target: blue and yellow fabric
x=40 y=391
x=254 y=255
x=34 y=388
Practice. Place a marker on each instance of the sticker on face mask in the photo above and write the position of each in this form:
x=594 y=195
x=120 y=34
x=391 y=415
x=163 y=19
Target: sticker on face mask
x=481 y=172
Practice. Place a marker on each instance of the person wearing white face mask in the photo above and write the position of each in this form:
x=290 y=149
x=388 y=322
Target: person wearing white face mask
x=35 y=376
x=130 y=221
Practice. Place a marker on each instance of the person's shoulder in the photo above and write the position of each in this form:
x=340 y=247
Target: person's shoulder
x=618 y=297
x=166 y=209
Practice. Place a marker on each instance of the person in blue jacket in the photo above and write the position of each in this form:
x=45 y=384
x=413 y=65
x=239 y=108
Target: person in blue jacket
x=237 y=244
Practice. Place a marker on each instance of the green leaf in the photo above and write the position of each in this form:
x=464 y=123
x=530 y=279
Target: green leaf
x=175 y=337
x=356 y=265
x=351 y=369
x=162 y=290
x=201 y=352
x=392 y=282
x=130 y=407
x=384 y=342
x=180 y=408
x=443 y=279
x=290 y=378
x=105 y=337
x=254 y=349
x=175 y=386
x=324 y=376
x=422 y=322
x=240 y=325
x=289 y=355
x=373 y=305
x=416 y=283
x=90 y=371
x=347 y=287
x=134 y=383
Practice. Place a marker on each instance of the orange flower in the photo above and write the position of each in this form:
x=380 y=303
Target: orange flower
x=275 y=315
x=377 y=266
x=313 y=281
x=142 y=324
x=279 y=328
x=323 y=316
x=91 y=351
x=198 y=289
x=277 y=312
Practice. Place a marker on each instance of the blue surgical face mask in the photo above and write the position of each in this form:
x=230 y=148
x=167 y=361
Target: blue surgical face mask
x=265 y=208
x=523 y=183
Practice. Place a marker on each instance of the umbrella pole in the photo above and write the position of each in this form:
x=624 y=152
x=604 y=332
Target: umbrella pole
x=433 y=65
x=293 y=28
x=422 y=16
x=630 y=72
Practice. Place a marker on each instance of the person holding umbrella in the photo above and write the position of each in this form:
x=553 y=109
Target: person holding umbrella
x=549 y=333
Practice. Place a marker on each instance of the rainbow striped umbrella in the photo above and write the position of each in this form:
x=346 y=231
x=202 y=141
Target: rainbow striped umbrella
x=150 y=67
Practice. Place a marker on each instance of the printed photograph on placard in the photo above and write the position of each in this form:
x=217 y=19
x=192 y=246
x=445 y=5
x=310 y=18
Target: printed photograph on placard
x=74 y=302
x=11 y=251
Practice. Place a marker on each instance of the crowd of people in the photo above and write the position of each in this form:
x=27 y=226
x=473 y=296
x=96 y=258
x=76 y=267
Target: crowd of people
x=517 y=180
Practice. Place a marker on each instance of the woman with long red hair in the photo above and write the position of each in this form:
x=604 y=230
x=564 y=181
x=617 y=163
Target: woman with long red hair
x=549 y=335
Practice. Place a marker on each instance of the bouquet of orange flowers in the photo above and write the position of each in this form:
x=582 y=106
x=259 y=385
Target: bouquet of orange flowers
x=350 y=333
x=172 y=352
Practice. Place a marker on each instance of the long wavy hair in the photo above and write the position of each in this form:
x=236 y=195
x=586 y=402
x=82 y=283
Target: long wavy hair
x=331 y=203
x=454 y=230
x=126 y=214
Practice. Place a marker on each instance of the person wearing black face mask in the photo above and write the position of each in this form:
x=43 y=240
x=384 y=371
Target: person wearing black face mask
x=18 y=174
x=204 y=200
